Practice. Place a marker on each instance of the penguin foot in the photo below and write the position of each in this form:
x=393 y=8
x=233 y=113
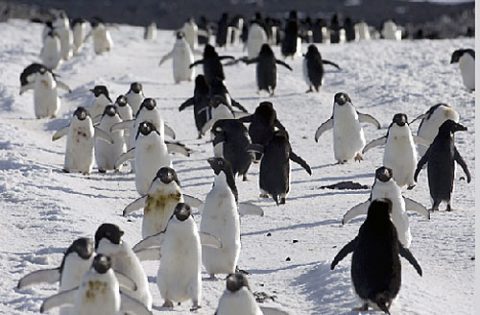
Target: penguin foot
x=263 y=196
x=310 y=90
x=358 y=157
x=65 y=170
x=244 y=177
x=410 y=187
x=282 y=201
x=241 y=271
x=168 y=304
x=362 y=308
x=195 y=307
x=102 y=171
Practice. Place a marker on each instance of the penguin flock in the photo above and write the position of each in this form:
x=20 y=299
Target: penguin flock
x=104 y=274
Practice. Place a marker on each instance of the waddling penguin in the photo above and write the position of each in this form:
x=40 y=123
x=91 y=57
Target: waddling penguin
x=313 y=68
x=231 y=141
x=79 y=27
x=76 y=261
x=267 y=69
x=275 y=167
x=108 y=241
x=201 y=104
x=182 y=58
x=99 y=293
x=212 y=66
x=135 y=96
x=126 y=114
x=102 y=40
x=106 y=154
x=348 y=137
x=150 y=32
x=62 y=28
x=256 y=38
x=466 y=61
x=385 y=187
x=101 y=101
x=376 y=268
x=51 y=53
x=27 y=77
x=400 y=153
x=441 y=157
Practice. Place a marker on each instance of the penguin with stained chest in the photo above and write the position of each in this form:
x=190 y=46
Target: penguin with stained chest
x=376 y=269
x=101 y=101
x=106 y=154
x=313 y=70
x=51 y=53
x=135 y=96
x=466 y=61
x=441 y=157
x=212 y=66
x=182 y=56
x=348 y=136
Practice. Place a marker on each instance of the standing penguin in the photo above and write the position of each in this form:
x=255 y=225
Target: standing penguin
x=62 y=28
x=400 y=153
x=466 y=61
x=256 y=38
x=200 y=101
x=348 y=137
x=28 y=75
x=313 y=68
x=190 y=30
x=150 y=32
x=362 y=30
x=99 y=293
x=290 y=42
x=135 y=96
x=222 y=31
x=391 y=31
x=376 y=268
x=441 y=157
x=79 y=27
x=106 y=154
x=267 y=69
x=126 y=114
x=212 y=66
x=101 y=101
x=51 y=54
x=182 y=58
x=102 y=40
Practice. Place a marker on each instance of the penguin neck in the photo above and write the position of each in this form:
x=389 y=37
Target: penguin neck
x=102 y=100
x=225 y=181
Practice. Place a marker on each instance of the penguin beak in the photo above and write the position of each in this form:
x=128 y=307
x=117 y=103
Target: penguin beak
x=459 y=127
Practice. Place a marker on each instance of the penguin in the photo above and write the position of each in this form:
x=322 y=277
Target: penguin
x=391 y=31
x=101 y=101
x=431 y=120
x=376 y=268
x=267 y=69
x=106 y=154
x=230 y=141
x=76 y=261
x=348 y=137
x=182 y=58
x=441 y=157
x=400 y=153
x=150 y=32
x=466 y=61
x=47 y=28
x=256 y=38
x=200 y=101
x=190 y=30
x=274 y=179
x=27 y=77
x=62 y=28
x=135 y=96
x=126 y=114
x=337 y=33
x=290 y=42
x=51 y=54
x=313 y=68
x=385 y=186
x=212 y=66
x=79 y=27
x=99 y=293
x=222 y=31
x=102 y=40
x=236 y=26
x=317 y=30
x=108 y=241
x=351 y=33
x=204 y=31
x=362 y=30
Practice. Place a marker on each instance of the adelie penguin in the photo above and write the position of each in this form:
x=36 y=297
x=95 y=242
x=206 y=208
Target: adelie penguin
x=441 y=157
x=79 y=27
x=313 y=68
x=101 y=101
x=135 y=96
x=466 y=62
x=348 y=136
x=51 y=54
x=376 y=269
x=256 y=38
x=102 y=40
x=212 y=66
x=106 y=154
x=267 y=69
x=62 y=28
x=125 y=112
x=182 y=56
x=27 y=77
x=291 y=42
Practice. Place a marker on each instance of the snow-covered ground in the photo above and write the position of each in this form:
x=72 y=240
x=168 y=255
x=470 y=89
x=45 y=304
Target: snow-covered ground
x=43 y=210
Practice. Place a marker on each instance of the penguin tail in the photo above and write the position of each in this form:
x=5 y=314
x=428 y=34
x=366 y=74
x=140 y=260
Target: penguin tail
x=275 y=197
x=383 y=302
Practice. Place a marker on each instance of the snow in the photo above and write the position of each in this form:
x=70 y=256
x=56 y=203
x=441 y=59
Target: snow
x=43 y=210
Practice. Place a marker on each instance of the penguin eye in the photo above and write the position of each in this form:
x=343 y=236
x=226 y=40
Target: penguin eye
x=218 y=129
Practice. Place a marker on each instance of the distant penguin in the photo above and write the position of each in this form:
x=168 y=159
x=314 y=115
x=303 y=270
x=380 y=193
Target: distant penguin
x=106 y=154
x=348 y=137
x=376 y=269
x=135 y=96
x=313 y=68
x=256 y=38
x=150 y=32
x=351 y=33
x=274 y=176
x=108 y=241
x=466 y=61
x=212 y=66
x=76 y=261
x=28 y=75
x=231 y=141
x=79 y=27
x=62 y=28
x=337 y=33
x=101 y=101
x=51 y=54
x=98 y=293
x=222 y=31
x=431 y=120
x=47 y=28
x=317 y=30
x=200 y=101
x=190 y=30
x=441 y=157
x=102 y=40
x=126 y=114
x=267 y=69
x=400 y=152
x=391 y=31
x=290 y=42
x=362 y=30
x=182 y=56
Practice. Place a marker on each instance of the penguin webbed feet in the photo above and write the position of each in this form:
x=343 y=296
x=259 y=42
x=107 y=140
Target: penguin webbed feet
x=358 y=157
x=410 y=187
x=195 y=307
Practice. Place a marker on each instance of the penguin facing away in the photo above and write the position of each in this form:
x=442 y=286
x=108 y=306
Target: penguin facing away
x=466 y=61
x=376 y=268
x=182 y=56
x=212 y=66
x=441 y=157
x=290 y=41
x=313 y=68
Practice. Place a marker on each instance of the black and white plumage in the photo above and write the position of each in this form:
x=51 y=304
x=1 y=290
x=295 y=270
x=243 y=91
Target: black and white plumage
x=212 y=66
x=313 y=70
x=201 y=103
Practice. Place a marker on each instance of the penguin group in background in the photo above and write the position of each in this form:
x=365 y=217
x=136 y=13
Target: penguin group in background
x=337 y=33
x=106 y=154
x=212 y=66
x=376 y=269
x=313 y=68
x=102 y=40
x=440 y=158
x=101 y=101
x=51 y=54
x=466 y=61
x=201 y=104
x=150 y=32
x=135 y=96
x=79 y=28
x=204 y=31
x=348 y=136
x=350 y=31
x=222 y=31
x=182 y=59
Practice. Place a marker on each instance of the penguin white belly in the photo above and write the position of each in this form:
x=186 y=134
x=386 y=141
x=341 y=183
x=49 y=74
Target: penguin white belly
x=182 y=58
x=298 y=52
x=79 y=152
x=102 y=41
x=45 y=100
x=401 y=156
x=241 y=302
x=66 y=42
x=125 y=114
x=98 y=295
x=98 y=106
x=51 y=53
x=134 y=100
x=305 y=73
x=148 y=160
x=158 y=210
x=467 y=68
x=78 y=36
x=348 y=137
x=106 y=154
x=256 y=38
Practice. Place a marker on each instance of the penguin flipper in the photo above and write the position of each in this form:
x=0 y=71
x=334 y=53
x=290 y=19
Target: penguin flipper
x=166 y=57
x=237 y=114
x=208 y=125
x=360 y=209
x=130 y=305
x=151 y=241
x=196 y=63
x=129 y=155
x=297 y=159
x=412 y=205
x=126 y=124
x=26 y=87
x=421 y=163
x=239 y=106
x=169 y=131
x=347 y=249
x=186 y=104
x=60 y=133
x=375 y=143
x=270 y=310
x=459 y=159
x=246 y=208
x=323 y=127
x=366 y=118
x=282 y=63
x=64 y=86
x=255 y=148
x=102 y=134
x=40 y=276
x=407 y=254
x=60 y=299
x=125 y=281
x=135 y=205
x=207 y=239
x=176 y=147
x=328 y=62
x=192 y=201
x=149 y=254
x=420 y=141
x=422 y=116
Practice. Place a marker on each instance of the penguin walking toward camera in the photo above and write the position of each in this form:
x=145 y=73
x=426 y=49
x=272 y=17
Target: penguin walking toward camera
x=150 y=32
x=385 y=186
x=441 y=157
x=348 y=136
x=135 y=96
x=376 y=268
x=201 y=104
x=106 y=154
x=102 y=40
x=313 y=68
x=51 y=53
x=391 y=31
x=28 y=75
x=101 y=101
x=99 y=293
x=400 y=153
x=182 y=58
x=255 y=40
x=267 y=69
x=79 y=27
x=62 y=28
x=212 y=66
x=466 y=61
x=126 y=114
x=76 y=261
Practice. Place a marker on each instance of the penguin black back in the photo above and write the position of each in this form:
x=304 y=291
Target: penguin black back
x=266 y=69
x=314 y=66
x=200 y=102
x=109 y=231
x=289 y=43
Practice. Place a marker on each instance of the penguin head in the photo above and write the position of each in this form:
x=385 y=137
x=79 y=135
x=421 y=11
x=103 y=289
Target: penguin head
x=42 y=70
x=219 y=165
x=121 y=101
x=179 y=35
x=83 y=247
x=201 y=85
x=450 y=127
x=100 y=90
x=145 y=128
x=108 y=233
x=379 y=211
x=236 y=281
x=456 y=55
x=265 y=51
x=267 y=112
x=216 y=100
x=110 y=111
x=102 y=263
x=384 y=174
x=182 y=211
x=400 y=120
x=209 y=51
x=148 y=103
x=136 y=87
x=342 y=98
x=81 y=113
x=167 y=175
x=312 y=51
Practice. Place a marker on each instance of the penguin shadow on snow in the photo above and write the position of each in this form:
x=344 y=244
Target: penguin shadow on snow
x=269 y=271
x=69 y=191
x=331 y=193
